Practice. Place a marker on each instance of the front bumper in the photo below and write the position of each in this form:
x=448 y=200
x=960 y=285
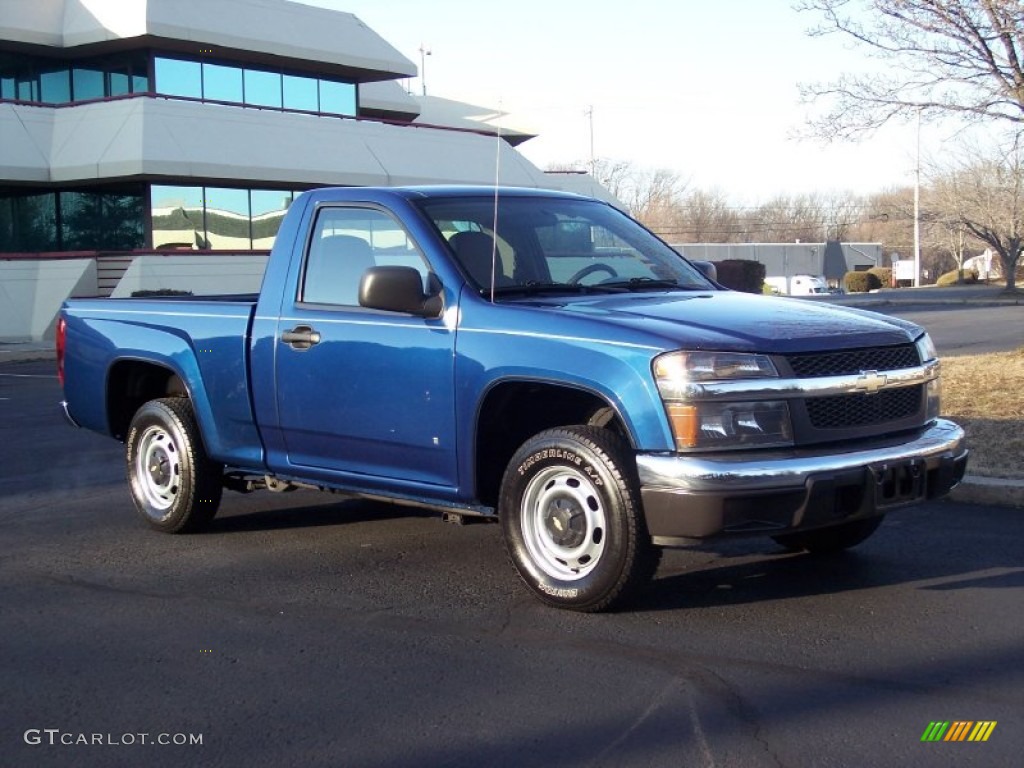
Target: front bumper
x=773 y=492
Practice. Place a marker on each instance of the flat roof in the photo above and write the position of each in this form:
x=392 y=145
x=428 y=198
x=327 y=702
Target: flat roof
x=274 y=32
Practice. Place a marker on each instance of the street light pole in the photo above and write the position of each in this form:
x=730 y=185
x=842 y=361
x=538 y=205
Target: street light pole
x=917 y=207
x=424 y=52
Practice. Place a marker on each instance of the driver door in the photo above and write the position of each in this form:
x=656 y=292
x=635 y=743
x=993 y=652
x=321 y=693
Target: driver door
x=363 y=392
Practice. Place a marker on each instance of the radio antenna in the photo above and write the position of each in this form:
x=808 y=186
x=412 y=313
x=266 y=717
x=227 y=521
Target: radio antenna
x=494 y=223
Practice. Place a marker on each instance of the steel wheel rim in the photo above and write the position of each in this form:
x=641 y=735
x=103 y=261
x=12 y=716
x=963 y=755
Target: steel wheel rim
x=158 y=471
x=564 y=523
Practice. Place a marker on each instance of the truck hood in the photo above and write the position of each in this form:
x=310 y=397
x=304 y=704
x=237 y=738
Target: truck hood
x=731 y=321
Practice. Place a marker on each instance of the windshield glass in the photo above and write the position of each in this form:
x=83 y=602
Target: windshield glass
x=555 y=245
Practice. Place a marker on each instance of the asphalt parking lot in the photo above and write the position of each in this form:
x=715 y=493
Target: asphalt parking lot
x=305 y=629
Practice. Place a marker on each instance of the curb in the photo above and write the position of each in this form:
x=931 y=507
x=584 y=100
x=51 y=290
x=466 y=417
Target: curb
x=27 y=353
x=881 y=300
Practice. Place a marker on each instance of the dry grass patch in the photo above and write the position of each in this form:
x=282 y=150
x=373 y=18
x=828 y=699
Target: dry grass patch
x=985 y=394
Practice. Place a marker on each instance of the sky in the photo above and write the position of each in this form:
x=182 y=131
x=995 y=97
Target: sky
x=705 y=88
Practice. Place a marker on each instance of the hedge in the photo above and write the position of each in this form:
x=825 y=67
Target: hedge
x=953 y=278
x=160 y=292
x=884 y=275
x=741 y=275
x=861 y=282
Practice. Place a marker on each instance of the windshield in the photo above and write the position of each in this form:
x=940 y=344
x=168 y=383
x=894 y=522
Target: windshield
x=554 y=245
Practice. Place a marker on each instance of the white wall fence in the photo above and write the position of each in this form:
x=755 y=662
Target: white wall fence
x=32 y=290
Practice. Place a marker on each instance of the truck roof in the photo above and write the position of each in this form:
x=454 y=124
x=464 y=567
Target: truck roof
x=438 y=191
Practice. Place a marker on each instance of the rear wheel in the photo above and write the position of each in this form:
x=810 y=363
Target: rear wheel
x=834 y=539
x=572 y=520
x=175 y=486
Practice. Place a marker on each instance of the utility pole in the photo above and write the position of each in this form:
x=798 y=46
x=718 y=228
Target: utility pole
x=589 y=112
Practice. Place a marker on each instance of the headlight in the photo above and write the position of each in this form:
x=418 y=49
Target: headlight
x=675 y=371
x=926 y=348
x=716 y=425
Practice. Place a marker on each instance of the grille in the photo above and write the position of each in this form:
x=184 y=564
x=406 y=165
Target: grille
x=861 y=410
x=854 y=361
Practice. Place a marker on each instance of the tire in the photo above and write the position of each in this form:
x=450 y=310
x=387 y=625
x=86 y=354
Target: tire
x=834 y=539
x=572 y=520
x=175 y=486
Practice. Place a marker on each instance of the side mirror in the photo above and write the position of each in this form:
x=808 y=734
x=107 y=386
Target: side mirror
x=397 y=289
x=707 y=268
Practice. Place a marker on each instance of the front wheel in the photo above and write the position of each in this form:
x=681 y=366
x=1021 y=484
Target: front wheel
x=572 y=520
x=175 y=486
x=833 y=539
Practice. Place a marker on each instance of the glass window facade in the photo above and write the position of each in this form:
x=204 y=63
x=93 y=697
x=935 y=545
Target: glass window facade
x=262 y=89
x=177 y=77
x=221 y=83
x=268 y=208
x=257 y=87
x=337 y=98
x=101 y=221
x=177 y=213
x=44 y=81
x=119 y=83
x=227 y=218
x=55 y=87
x=28 y=222
x=221 y=218
x=301 y=93
x=28 y=87
x=87 y=84
x=72 y=220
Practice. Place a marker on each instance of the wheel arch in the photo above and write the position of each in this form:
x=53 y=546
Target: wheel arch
x=512 y=410
x=133 y=382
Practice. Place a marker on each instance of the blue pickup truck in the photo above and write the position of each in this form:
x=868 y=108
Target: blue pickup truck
x=532 y=356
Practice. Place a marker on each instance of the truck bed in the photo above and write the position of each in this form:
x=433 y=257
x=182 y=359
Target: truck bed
x=203 y=340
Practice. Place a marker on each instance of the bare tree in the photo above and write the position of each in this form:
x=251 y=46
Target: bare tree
x=703 y=216
x=956 y=240
x=785 y=219
x=651 y=196
x=655 y=197
x=937 y=57
x=614 y=175
x=983 y=191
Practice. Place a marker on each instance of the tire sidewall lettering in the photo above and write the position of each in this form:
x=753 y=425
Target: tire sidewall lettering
x=553 y=455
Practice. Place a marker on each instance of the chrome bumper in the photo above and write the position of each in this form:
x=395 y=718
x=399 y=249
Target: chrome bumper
x=778 y=491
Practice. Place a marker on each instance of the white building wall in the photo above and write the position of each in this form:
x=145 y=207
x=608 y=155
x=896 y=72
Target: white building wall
x=201 y=275
x=31 y=292
x=182 y=140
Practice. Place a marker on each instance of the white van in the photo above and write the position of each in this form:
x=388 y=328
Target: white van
x=799 y=285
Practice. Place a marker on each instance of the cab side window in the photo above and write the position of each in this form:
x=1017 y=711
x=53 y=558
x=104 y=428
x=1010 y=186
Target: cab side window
x=348 y=241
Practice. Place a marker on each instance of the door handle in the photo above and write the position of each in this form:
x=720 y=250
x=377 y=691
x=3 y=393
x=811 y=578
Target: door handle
x=300 y=337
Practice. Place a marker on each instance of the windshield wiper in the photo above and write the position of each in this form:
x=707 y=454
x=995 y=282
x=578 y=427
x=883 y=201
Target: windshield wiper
x=535 y=287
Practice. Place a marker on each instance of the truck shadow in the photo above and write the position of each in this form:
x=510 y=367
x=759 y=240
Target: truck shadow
x=324 y=510
x=941 y=552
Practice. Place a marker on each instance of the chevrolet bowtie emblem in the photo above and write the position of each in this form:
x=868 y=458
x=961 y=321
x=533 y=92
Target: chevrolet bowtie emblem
x=871 y=382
